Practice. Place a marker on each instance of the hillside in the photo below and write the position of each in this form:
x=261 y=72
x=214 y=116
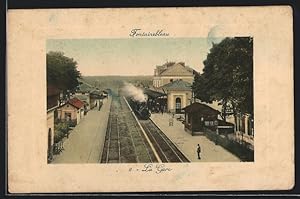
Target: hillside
x=114 y=82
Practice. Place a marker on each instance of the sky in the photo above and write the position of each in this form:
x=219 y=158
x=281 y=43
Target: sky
x=133 y=56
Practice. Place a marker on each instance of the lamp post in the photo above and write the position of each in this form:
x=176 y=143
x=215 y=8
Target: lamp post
x=217 y=132
x=61 y=96
x=202 y=122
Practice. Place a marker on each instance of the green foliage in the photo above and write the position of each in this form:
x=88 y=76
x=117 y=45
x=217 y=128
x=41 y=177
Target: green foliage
x=228 y=75
x=62 y=71
x=72 y=123
x=61 y=130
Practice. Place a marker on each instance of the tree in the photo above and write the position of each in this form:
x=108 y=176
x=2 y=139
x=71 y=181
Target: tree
x=228 y=76
x=61 y=130
x=62 y=71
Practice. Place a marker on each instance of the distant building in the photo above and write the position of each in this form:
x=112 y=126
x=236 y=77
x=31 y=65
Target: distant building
x=53 y=96
x=96 y=97
x=72 y=111
x=170 y=72
x=83 y=93
x=90 y=95
x=84 y=98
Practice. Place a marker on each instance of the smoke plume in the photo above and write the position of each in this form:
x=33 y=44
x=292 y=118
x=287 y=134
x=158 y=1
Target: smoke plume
x=137 y=94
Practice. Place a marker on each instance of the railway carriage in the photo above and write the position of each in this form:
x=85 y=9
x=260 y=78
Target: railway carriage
x=140 y=109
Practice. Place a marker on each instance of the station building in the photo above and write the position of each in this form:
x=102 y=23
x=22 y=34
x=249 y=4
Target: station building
x=179 y=95
x=170 y=72
x=175 y=81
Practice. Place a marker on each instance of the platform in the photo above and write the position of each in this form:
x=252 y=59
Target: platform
x=85 y=142
x=188 y=143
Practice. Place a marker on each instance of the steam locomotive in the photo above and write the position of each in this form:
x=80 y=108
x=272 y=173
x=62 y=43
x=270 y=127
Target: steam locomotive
x=140 y=109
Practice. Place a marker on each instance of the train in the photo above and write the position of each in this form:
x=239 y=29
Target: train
x=140 y=109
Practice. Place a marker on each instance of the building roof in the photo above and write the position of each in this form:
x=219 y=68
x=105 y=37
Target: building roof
x=108 y=90
x=200 y=108
x=96 y=92
x=76 y=102
x=82 y=97
x=174 y=69
x=152 y=93
x=177 y=85
x=224 y=123
x=52 y=90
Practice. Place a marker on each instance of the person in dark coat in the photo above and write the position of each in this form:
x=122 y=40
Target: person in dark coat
x=198 y=151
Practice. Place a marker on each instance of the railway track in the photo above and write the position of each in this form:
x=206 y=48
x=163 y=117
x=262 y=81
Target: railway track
x=124 y=140
x=164 y=147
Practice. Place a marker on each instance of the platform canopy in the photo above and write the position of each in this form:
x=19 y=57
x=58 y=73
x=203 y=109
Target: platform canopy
x=153 y=94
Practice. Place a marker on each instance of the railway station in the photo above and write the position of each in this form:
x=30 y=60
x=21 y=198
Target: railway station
x=160 y=123
x=130 y=138
x=141 y=109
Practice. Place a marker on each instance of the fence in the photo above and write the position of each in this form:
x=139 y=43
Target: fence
x=242 y=150
x=71 y=123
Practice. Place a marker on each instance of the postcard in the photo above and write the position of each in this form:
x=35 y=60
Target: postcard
x=150 y=99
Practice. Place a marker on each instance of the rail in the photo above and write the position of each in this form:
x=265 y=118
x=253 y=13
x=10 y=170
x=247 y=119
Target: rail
x=124 y=140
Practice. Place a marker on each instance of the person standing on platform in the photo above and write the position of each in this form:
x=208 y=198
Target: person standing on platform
x=162 y=110
x=198 y=151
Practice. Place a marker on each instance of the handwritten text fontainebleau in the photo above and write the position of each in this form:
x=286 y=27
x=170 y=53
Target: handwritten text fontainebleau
x=136 y=32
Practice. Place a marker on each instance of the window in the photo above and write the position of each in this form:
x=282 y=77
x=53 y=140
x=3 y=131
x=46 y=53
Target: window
x=178 y=103
x=211 y=123
x=189 y=118
x=68 y=116
x=206 y=123
x=171 y=80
